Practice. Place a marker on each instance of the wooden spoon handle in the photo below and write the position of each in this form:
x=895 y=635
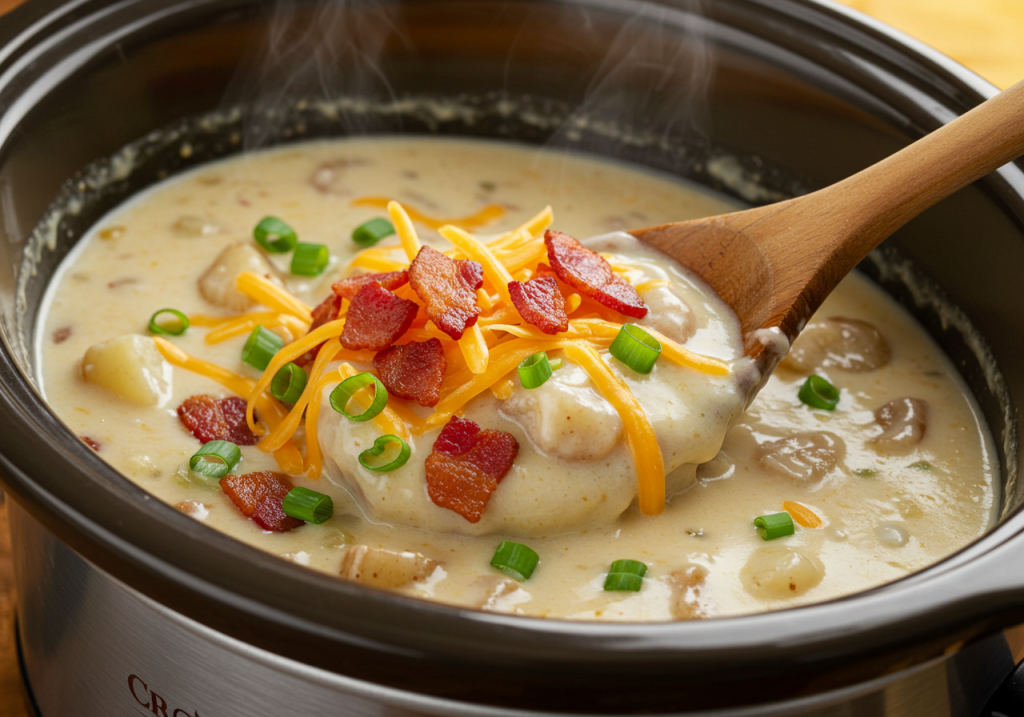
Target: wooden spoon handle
x=880 y=199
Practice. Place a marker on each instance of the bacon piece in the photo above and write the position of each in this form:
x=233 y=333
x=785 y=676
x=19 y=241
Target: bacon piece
x=376 y=318
x=91 y=443
x=448 y=289
x=62 y=334
x=391 y=280
x=326 y=311
x=466 y=466
x=259 y=496
x=413 y=370
x=544 y=270
x=540 y=303
x=588 y=272
x=211 y=420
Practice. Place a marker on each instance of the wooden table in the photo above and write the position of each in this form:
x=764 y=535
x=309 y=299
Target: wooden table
x=986 y=35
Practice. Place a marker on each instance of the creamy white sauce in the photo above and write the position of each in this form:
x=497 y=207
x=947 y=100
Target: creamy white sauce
x=572 y=500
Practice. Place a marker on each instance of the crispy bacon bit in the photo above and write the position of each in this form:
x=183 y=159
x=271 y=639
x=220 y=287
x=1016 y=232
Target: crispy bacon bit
x=544 y=270
x=211 y=420
x=327 y=310
x=540 y=303
x=588 y=272
x=62 y=334
x=391 y=280
x=466 y=466
x=117 y=283
x=259 y=496
x=448 y=288
x=376 y=318
x=91 y=443
x=413 y=370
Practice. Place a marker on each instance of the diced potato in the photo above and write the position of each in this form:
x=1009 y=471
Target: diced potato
x=669 y=314
x=777 y=572
x=566 y=418
x=130 y=366
x=848 y=344
x=217 y=285
x=903 y=423
x=805 y=456
x=386 y=568
x=687 y=584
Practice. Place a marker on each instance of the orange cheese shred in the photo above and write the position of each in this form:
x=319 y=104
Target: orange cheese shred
x=490 y=213
x=802 y=514
x=264 y=291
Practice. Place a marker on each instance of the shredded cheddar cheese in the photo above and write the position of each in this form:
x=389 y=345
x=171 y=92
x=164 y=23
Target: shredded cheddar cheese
x=487 y=215
x=802 y=514
x=264 y=291
x=474 y=349
x=405 y=230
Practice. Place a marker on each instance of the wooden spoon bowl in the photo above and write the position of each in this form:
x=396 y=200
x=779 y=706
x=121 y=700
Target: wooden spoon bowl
x=775 y=265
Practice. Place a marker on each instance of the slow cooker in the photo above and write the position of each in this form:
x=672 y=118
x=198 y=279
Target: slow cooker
x=126 y=606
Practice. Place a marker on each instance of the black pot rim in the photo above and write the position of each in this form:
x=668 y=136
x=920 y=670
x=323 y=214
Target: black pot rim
x=242 y=592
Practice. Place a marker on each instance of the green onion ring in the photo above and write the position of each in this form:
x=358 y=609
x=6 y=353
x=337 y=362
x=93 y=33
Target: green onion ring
x=371 y=232
x=310 y=259
x=774 y=525
x=307 y=505
x=288 y=383
x=555 y=364
x=378 y=448
x=275 y=235
x=344 y=391
x=260 y=347
x=625 y=575
x=156 y=328
x=227 y=453
x=516 y=560
x=636 y=348
x=816 y=392
x=535 y=370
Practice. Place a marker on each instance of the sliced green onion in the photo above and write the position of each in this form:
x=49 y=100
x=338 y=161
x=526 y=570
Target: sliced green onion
x=516 y=560
x=819 y=393
x=288 y=383
x=175 y=327
x=308 y=505
x=310 y=259
x=344 y=391
x=535 y=370
x=866 y=472
x=404 y=451
x=215 y=459
x=636 y=348
x=260 y=347
x=371 y=232
x=625 y=575
x=774 y=525
x=556 y=364
x=275 y=236
x=921 y=466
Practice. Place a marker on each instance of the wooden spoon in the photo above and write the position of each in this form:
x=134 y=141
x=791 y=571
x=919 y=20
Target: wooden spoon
x=774 y=265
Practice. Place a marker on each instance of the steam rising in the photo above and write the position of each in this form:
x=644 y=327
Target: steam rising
x=649 y=79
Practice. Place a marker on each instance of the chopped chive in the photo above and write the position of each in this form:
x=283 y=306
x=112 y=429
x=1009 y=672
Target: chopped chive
x=866 y=472
x=921 y=466
x=288 y=383
x=774 y=525
x=371 y=232
x=636 y=348
x=260 y=347
x=819 y=393
x=310 y=259
x=535 y=370
x=308 y=505
x=625 y=575
x=275 y=236
x=215 y=459
x=555 y=364
x=174 y=327
x=516 y=560
x=404 y=451
x=344 y=391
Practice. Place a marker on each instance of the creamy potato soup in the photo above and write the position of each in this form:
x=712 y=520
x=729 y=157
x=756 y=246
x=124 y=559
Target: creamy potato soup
x=535 y=454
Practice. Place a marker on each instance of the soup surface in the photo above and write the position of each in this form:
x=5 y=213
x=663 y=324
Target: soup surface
x=898 y=475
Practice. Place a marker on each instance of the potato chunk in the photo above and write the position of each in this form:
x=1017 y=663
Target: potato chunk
x=776 y=572
x=130 y=366
x=669 y=314
x=804 y=456
x=386 y=568
x=217 y=285
x=566 y=418
x=687 y=583
x=903 y=422
x=848 y=344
